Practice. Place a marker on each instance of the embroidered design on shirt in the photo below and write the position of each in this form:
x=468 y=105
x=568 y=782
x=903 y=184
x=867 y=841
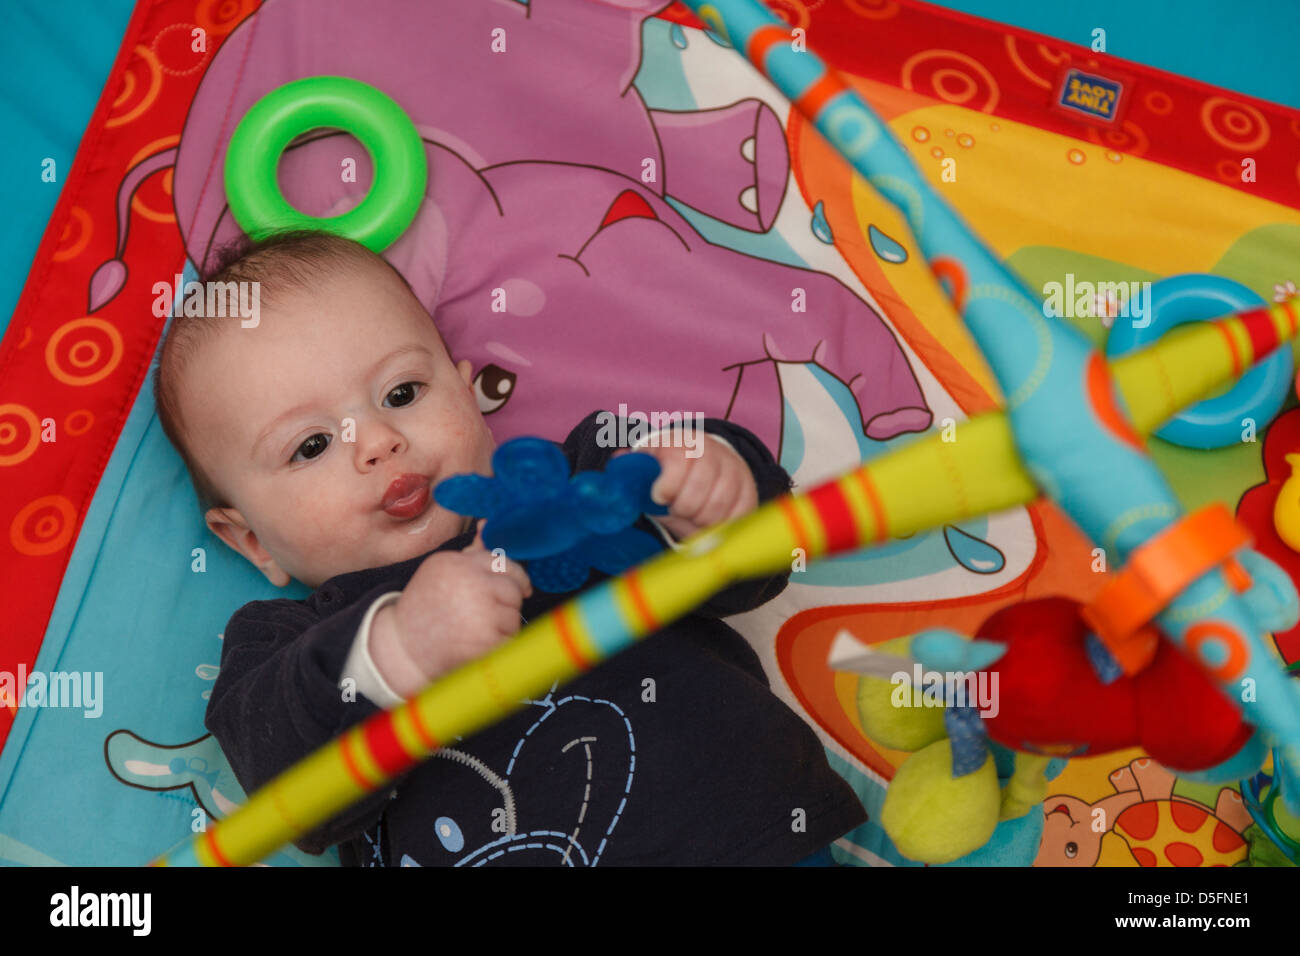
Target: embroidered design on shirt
x=566 y=843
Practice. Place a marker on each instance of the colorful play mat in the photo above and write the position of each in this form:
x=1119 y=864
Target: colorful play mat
x=631 y=132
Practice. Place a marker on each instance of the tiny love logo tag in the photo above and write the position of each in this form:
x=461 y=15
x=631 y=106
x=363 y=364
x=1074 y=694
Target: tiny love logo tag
x=1088 y=95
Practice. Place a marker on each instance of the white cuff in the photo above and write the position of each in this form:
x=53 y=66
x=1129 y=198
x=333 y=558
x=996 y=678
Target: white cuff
x=664 y=533
x=361 y=667
x=723 y=440
x=645 y=440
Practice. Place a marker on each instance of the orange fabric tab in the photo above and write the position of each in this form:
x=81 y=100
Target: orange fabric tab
x=1137 y=650
x=1157 y=573
x=1237 y=576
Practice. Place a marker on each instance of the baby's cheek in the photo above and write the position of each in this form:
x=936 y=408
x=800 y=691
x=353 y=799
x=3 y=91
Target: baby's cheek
x=319 y=536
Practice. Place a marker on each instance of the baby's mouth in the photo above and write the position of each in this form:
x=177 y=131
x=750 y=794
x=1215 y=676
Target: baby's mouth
x=408 y=496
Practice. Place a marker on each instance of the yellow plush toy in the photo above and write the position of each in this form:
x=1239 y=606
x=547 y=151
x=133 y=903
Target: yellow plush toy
x=946 y=799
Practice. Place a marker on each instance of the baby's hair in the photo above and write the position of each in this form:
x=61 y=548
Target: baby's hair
x=294 y=260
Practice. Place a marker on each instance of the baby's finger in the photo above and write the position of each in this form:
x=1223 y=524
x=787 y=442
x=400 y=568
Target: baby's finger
x=499 y=567
x=506 y=620
x=742 y=488
x=673 y=472
x=701 y=476
x=746 y=499
x=477 y=544
x=723 y=498
x=515 y=573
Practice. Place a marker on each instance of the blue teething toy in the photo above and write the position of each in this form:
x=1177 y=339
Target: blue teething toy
x=560 y=526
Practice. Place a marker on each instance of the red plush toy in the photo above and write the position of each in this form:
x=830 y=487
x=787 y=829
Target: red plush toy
x=1051 y=701
x=1255 y=511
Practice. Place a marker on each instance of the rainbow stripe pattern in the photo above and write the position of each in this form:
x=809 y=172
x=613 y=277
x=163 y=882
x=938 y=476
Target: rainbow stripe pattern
x=1070 y=429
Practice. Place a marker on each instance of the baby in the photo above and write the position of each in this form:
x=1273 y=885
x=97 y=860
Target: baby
x=314 y=438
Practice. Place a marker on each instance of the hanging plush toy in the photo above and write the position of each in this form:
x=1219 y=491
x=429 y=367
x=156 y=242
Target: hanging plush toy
x=1036 y=683
x=961 y=797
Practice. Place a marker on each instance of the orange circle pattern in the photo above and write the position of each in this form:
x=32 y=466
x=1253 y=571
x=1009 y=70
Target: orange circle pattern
x=1019 y=63
x=189 y=29
x=1238 y=655
x=147 y=98
x=43 y=526
x=153 y=215
x=1159 y=102
x=946 y=73
x=940 y=79
x=84 y=229
x=793 y=12
x=84 y=418
x=219 y=17
x=1229 y=124
x=9 y=433
x=1130 y=138
x=873 y=9
x=1228 y=170
x=52 y=356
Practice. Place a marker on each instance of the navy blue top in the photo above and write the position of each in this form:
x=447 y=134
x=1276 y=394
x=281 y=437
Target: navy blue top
x=673 y=752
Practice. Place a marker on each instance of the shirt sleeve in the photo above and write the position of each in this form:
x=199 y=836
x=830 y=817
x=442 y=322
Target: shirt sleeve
x=360 y=666
x=593 y=442
x=277 y=698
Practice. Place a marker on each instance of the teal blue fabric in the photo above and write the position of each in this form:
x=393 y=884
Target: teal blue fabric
x=143 y=526
x=1247 y=47
x=56 y=58
x=821 y=858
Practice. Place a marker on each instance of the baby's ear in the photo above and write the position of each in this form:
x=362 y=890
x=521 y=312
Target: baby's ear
x=466 y=371
x=229 y=525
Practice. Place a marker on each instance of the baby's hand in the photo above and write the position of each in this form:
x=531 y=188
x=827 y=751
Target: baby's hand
x=713 y=487
x=455 y=608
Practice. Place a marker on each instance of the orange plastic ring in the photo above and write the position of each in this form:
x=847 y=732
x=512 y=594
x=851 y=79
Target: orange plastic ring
x=1158 y=572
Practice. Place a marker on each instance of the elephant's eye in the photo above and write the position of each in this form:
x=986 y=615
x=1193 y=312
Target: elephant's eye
x=1071 y=850
x=493 y=387
x=449 y=834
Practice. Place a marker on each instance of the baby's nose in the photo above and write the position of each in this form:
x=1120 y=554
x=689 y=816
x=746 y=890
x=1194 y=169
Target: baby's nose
x=380 y=442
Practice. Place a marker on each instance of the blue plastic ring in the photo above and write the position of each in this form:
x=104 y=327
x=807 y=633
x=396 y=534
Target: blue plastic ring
x=1259 y=394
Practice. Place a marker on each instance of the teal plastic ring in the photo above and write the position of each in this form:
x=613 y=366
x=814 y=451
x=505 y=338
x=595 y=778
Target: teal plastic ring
x=1260 y=393
x=335 y=102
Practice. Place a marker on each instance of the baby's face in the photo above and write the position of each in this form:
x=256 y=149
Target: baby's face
x=307 y=420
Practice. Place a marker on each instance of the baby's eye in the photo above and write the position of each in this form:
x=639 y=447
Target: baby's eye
x=313 y=447
x=408 y=390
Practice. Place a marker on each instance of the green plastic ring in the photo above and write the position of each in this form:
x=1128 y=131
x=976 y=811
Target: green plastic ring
x=337 y=102
x=1272 y=819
